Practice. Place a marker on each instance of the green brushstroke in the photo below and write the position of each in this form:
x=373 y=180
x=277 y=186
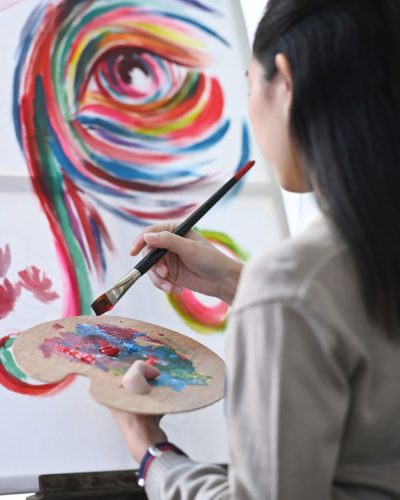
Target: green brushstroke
x=7 y=360
x=228 y=242
x=52 y=183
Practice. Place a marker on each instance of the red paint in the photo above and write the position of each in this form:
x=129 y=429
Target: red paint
x=152 y=360
x=9 y=294
x=119 y=332
x=101 y=305
x=34 y=280
x=57 y=326
x=244 y=170
x=88 y=214
x=5 y=260
x=109 y=350
x=71 y=304
x=18 y=386
x=15 y=385
x=75 y=353
x=210 y=115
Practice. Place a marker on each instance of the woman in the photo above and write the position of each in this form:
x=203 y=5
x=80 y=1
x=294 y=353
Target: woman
x=313 y=351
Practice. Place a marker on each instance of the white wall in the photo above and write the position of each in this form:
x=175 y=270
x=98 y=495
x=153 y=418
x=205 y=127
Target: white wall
x=300 y=209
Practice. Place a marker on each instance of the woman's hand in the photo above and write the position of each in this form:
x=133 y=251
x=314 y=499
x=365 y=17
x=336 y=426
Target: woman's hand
x=139 y=431
x=192 y=262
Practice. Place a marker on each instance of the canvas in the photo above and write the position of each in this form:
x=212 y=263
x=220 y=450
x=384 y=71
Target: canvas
x=115 y=114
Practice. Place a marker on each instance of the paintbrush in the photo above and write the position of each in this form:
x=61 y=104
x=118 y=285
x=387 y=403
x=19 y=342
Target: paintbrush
x=107 y=300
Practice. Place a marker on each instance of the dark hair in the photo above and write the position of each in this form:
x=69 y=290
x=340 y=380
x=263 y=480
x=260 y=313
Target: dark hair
x=345 y=115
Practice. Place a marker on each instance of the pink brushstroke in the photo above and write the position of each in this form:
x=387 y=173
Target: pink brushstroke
x=5 y=260
x=34 y=280
x=9 y=294
x=5 y=4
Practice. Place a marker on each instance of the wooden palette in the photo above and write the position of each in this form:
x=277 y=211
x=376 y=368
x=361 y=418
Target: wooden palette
x=192 y=376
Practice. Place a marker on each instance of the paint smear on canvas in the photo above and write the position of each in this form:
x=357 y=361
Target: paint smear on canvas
x=34 y=281
x=6 y=4
x=113 y=349
x=13 y=379
x=202 y=317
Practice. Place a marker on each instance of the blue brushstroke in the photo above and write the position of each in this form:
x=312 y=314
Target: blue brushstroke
x=25 y=42
x=152 y=142
x=176 y=371
x=200 y=5
x=99 y=243
x=201 y=26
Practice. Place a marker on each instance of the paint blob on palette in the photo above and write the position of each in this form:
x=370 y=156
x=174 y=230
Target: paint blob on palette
x=113 y=348
x=103 y=349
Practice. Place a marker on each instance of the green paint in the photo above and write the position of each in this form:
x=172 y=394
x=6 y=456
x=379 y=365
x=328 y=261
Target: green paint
x=7 y=360
x=52 y=183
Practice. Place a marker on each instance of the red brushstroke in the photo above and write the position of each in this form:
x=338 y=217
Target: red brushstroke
x=208 y=118
x=34 y=280
x=14 y=384
x=71 y=306
x=86 y=212
x=5 y=260
x=75 y=353
x=9 y=294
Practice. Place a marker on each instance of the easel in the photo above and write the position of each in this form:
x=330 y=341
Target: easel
x=116 y=485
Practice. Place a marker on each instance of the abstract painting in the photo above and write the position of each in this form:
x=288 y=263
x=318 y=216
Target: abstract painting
x=117 y=109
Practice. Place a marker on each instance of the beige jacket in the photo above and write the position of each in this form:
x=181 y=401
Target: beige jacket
x=313 y=394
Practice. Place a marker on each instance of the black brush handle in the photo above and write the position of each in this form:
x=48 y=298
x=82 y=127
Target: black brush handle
x=155 y=255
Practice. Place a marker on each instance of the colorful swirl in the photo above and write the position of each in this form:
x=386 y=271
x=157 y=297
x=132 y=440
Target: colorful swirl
x=200 y=316
x=114 y=107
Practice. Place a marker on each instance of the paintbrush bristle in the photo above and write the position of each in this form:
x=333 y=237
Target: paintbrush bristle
x=101 y=305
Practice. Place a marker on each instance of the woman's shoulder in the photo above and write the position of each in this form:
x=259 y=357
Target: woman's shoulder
x=296 y=268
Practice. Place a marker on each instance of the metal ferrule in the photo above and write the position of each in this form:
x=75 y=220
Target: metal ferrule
x=122 y=286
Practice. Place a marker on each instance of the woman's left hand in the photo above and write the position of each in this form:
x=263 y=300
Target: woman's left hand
x=140 y=431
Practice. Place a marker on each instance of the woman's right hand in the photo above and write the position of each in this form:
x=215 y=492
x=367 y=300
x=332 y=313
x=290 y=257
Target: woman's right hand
x=191 y=262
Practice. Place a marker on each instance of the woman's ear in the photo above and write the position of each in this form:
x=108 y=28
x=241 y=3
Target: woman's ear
x=284 y=71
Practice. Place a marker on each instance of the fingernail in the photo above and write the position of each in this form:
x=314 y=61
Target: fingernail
x=150 y=236
x=162 y=271
x=165 y=287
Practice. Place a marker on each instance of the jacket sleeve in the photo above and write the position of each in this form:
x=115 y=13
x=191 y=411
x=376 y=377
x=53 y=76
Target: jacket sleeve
x=286 y=405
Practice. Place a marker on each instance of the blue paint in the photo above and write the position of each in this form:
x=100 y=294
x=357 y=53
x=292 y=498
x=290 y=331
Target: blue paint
x=176 y=370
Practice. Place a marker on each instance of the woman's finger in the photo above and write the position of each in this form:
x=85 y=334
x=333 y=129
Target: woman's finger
x=139 y=242
x=163 y=284
x=136 y=378
x=170 y=241
x=161 y=270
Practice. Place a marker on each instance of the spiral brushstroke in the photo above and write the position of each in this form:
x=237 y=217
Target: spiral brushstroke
x=199 y=316
x=114 y=107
